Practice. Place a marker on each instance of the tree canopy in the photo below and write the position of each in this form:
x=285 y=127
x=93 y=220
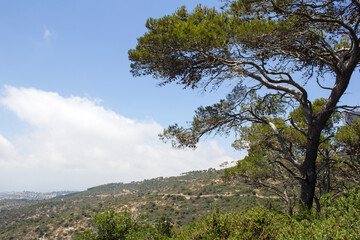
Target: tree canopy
x=348 y=140
x=269 y=50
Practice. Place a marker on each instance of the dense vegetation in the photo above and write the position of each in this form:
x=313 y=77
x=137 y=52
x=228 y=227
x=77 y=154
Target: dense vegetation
x=183 y=199
x=339 y=220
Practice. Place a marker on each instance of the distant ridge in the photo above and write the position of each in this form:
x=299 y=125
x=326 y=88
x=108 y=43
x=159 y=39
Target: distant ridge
x=33 y=195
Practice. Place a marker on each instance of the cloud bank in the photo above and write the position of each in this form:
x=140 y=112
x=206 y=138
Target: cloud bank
x=73 y=143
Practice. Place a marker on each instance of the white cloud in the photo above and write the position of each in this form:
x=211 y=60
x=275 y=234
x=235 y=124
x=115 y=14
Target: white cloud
x=7 y=150
x=76 y=143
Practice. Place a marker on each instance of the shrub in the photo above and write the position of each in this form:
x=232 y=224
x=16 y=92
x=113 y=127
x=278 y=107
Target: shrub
x=256 y=223
x=340 y=219
x=114 y=226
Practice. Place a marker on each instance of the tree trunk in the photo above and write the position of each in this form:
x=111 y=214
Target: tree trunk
x=308 y=169
x=308 y=189
x=317 y=123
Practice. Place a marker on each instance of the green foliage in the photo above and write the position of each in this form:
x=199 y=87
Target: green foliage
x=347 y=140
x=270 y=154
x=163 y=48
x=301 y=122
x=164 y=226
x=271 y=44
x=340 y=219
x=177 y=46
x=189 y=47
x=256 y=223
x=114 y=226
x=348 y=137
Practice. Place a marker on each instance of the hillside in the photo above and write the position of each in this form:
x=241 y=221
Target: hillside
x=33 y=195
x=183 y=198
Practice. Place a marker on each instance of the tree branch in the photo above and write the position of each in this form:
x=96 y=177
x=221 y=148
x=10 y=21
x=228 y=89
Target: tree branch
x=281 y=141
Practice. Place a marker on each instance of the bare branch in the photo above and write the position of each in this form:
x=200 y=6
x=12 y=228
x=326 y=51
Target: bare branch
x=319 y=84
x=295 y=176
x=283 y=146
x=347 y=107
x=322 y=19
x=281 y=141
x=296 y=128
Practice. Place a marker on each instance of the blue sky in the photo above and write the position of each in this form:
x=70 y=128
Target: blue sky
x=71 y=114
x=80 y=48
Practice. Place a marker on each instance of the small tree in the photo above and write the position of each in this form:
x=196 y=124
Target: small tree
x=164 y=226
x=110 y=226
x=348 y=140
x=265 y=167
x=273 y=45
x=114 y=226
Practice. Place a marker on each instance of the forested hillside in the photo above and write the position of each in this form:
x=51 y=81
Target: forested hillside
x=183 y=199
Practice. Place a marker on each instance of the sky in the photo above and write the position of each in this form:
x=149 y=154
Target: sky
x=71 y=114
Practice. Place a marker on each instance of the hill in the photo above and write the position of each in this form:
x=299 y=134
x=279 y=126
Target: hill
x=183 y=198
x=32 y=195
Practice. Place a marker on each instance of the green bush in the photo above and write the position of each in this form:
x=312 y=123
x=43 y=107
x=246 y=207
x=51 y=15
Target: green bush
x=256 y=223
x=110 y=226
x=115 y=226
x=340 y=219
